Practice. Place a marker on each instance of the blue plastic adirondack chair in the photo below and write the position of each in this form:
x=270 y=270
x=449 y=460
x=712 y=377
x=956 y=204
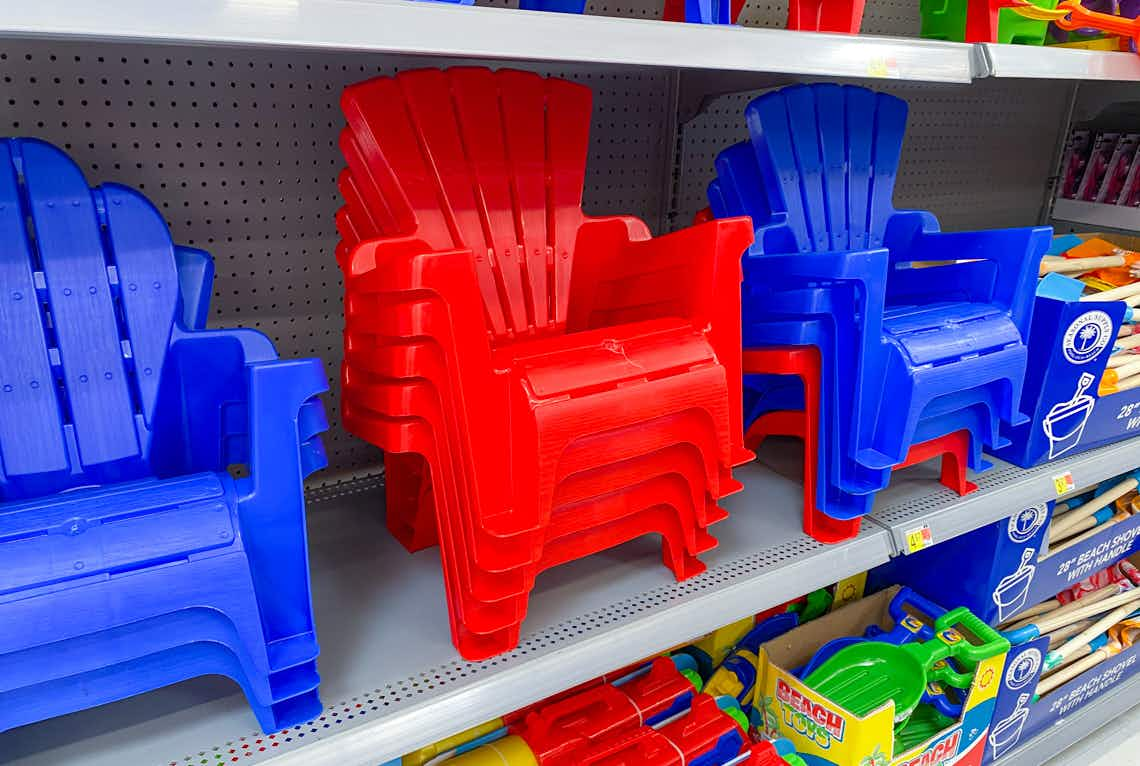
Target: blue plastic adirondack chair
x=909 y=353
x=129 y=558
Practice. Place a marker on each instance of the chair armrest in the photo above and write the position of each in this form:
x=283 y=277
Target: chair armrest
x=1014 y=253
x=401 y=290
x=285 y=418
x=201 y=420
x=384 y=273
x=623 y=275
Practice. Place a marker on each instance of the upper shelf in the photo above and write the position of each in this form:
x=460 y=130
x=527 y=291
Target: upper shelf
x=1050 y=63
x=1097 y=214
x=496 y=33
x=396 y=26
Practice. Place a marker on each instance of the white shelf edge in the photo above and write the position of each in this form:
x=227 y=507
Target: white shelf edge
x=1097 y=214
x=394 y=26
x=1001 y=490
x=1053 y=63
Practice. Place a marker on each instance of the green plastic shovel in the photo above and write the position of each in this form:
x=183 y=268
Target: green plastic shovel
x=863 y=677
x=924 y=723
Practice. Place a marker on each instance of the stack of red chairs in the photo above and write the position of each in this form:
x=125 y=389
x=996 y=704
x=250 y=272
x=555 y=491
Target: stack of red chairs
x=545 y=385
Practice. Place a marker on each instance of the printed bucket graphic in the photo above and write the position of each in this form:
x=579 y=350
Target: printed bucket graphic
x=1065 y=423
x=1013 y=589
x=1007 y=733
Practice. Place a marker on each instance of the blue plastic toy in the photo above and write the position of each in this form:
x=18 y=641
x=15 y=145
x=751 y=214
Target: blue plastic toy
x=556 y=6
x=910 y=351
x=129 y=558
x=708 y=11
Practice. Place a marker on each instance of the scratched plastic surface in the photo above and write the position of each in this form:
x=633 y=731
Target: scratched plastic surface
x=910 y=352
x=132 y=559
x=545 y=385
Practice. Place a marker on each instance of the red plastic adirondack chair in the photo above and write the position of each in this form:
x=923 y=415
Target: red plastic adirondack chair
x=545 y=385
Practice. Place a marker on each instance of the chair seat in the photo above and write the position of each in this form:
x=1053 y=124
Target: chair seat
x=114 y=529
x=945 y=332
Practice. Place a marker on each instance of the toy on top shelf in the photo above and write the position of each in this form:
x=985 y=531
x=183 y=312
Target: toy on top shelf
x=803 y=15
x=1071 y=16
x=909 y=351
x=545 y=385
x=131 y=559
x=703 y=11
x=557 y=6
x=983 y=21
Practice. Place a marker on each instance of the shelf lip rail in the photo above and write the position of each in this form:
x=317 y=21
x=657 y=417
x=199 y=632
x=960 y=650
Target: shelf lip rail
x=498 y=33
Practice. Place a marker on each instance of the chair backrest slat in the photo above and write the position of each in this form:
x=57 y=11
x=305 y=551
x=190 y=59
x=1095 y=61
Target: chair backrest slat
x=827 y=156
x=90 y=295
x=469 y=158
x=82 y=308
x=31 y=426
x=148 y=285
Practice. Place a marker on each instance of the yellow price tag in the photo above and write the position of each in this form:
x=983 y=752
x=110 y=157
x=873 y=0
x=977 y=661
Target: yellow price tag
x=1064 y=483
x=880 y=66
x=919 y=538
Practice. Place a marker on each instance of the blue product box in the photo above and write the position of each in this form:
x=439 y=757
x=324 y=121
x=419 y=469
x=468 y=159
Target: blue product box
x=1018 y=717
x=1069 y=346
x=997 y=571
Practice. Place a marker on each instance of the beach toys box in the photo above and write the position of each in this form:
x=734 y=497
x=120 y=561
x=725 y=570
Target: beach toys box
x=1070 y=342
x=826 y=732
x=1002 y=569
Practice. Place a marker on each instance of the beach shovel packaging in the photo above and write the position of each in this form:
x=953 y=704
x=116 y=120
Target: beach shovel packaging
x=1070 y=342
x=852 y=719
x=1004 y=568
x=1023 y=708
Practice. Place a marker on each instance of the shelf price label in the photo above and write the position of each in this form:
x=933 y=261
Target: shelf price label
x=883 y=66
x=1063 y=483
x=918 y=538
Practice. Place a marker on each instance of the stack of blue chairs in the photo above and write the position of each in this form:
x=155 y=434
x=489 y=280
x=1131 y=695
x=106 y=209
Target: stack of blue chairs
x=129 y=557
x=910 y=351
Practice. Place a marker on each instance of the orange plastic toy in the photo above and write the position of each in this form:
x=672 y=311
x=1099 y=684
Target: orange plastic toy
x=545 y=385
x=1070 y=15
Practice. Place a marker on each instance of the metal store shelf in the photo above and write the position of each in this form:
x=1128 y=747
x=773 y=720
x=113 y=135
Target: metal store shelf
x=1001 y=490
x=388 y=664
x=1050 y=63
x=1063 y=741
x=387 y=660
x=1097 y=214
x=451 y=30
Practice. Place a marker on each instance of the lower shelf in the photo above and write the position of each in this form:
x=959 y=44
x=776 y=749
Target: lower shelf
x=393 y=682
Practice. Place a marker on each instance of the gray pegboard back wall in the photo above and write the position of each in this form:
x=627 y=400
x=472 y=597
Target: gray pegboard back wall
x=237 y=148
x=978 y=156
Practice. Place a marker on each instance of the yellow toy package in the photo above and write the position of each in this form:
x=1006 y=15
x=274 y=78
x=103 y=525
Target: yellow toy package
x=899 y=688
